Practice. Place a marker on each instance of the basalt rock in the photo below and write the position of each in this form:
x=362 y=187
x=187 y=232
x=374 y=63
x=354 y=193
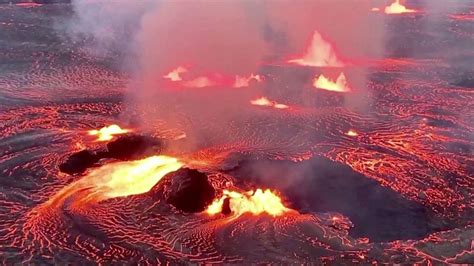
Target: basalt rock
x=189 y=190
x=226 y=210
x=133 y=147
x=78 y=162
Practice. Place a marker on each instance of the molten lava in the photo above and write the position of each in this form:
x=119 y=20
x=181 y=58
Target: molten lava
x=210 y=79
x=397 y=8
x=108 y=132
x=175 y=75
x=263 y=101
x=245 y=81
x=257 y=202
x=352 y=133
x=320 y=53
x=118 y=180
x=200 y=82
x=28 y=5
x=340 y=85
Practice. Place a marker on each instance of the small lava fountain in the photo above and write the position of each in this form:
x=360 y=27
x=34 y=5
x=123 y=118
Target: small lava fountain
x=254 y=202
x=263 y=101
x=396 y=8
x=108 y=132
x=340 y=85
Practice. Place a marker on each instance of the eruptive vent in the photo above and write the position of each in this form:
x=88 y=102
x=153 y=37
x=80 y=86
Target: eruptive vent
x=352 y=133
x=245 y=81
x=396 y=8
x=175 y=75
x=263 y=101
x=254 y=202
x=108 y=132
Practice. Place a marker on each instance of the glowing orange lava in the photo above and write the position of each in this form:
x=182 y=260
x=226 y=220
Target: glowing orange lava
x=320 y=53
x=118 y=179
x=79 y=146
x=340 y=85
x=108 y=132
x=245 y=81
x=199 y=82
x=257 y=202
x=175 y=75
x=211 y=79
x=397 y=8
x=263 y=101
x=28 y=4
x=352 y=133
x=468 y=16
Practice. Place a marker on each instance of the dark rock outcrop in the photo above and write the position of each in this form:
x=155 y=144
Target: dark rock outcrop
x=189 y=190
x=226 y=210
x=78 y=162
x=133 y=147
x=128 y=147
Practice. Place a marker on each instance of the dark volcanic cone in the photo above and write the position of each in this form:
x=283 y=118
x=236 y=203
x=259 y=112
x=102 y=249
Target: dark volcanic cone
x=189 y=190
x=78 y=162
x=133 y=147
x=226 y=207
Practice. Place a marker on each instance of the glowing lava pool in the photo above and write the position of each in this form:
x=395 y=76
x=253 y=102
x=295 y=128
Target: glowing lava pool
x=325 y=157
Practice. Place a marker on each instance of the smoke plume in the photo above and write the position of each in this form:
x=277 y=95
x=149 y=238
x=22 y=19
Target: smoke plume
x=217 y=42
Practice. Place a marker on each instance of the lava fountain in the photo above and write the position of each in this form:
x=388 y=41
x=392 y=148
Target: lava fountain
x=340 y=85
x=118 y=179
x=397 y=8
x=108 y=132
x=263 y=101
x=254 y=202
x=320 y=53
x=245 y=81
x=352 y=133
x=175 y=75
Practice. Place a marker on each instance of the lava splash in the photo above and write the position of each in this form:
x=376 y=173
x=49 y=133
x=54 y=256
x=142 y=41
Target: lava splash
x=398 y=8
x=263 y=101
x=108 y=132
x=254 y=202
x=340 y=85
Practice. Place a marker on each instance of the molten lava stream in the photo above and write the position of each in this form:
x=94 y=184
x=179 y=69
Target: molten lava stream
x=108 y=132
x=258 y=202
x=118 y=179
x=340 y=85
